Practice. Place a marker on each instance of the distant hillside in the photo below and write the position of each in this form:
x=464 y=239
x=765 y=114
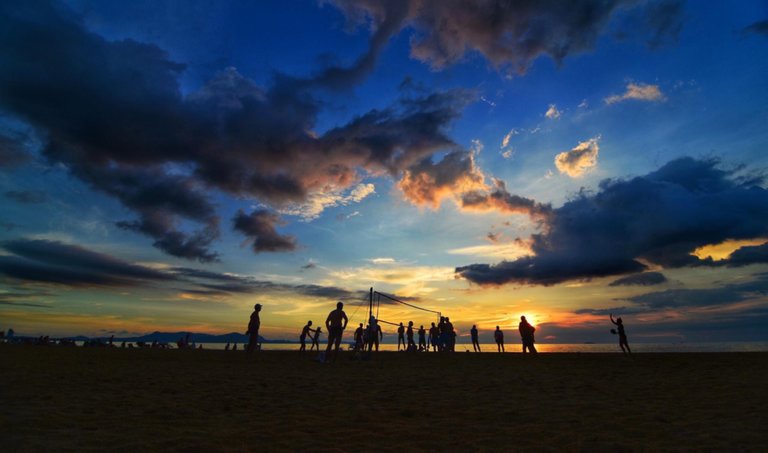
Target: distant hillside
x=173 y=337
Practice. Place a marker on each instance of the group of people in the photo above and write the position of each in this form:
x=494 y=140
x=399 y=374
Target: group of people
x=442 y=337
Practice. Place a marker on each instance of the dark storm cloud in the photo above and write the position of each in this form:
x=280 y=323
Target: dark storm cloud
x=759 y=28
x=12 y=152
x=725 y=295
x=259 y=227
x=513 y=34
x=659 y=218
x=46 y=261
x=27 y=196
x=748 y=255
x=643 y=279
x=114 y=115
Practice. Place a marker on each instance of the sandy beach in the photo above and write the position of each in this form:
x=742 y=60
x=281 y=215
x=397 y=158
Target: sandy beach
x=128 y=400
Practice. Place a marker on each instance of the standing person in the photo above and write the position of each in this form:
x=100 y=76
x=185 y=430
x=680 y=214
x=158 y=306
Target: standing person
x=422 y=338
x=400 y=336
x=526 y=334
x=374 y=334
x=303 y=337
x=442 y=335
x=359 y=343
x=409 y=334
x=498 y=335
x=335 y=323
x=475 y=340
x=315 y=340
x=450 y=335
x=433 y=337
x=253 y=328
x=622 y=334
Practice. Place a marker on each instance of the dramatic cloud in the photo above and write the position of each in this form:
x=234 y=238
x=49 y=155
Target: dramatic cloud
x=499 y=199
x=119 y=122
x=644 y=279
x=638 y=92
x=509 y=34
x=552 y=112
x=660 y=218
x=427 y=183
x=320 y=201
x=27 y=196
x=43 y=261
x=259 y=227
x=576 y=162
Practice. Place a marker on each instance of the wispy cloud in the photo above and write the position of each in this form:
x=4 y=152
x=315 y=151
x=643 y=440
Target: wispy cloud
x=639 y=92
x=552 y=112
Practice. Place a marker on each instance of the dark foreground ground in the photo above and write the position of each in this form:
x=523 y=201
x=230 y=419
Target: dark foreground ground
x=128 y=400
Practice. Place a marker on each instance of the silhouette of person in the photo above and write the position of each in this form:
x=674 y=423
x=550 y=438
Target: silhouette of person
x=450 y=333
x=234 y=348
x=303 y=336
x=335 y=323
x=253 y=329
x=498 y=335
x=409 y=334
x=434 y=337
x=422 y=338
x=475 y=340
x=374 y=334
x=442 y=335
x=400 y=336
x=316 y=339
x=359 y=338
x=226 y=348
x=622 y=334
x=526 y=335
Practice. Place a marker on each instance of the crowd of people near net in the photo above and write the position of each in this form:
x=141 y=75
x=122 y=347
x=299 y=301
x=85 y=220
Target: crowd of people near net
x=439 y=337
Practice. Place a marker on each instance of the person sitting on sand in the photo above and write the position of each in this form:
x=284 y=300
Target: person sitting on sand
x=422 y=338
x=526 y=335
x=226 y=348
x=433 y=337
x=475 y=340
x=622 y=334
x=400 y=336
x=253 y=328
x=335 y=323
x=498 y=335
x=234 y=348
x=375 y=335
x=303 y=337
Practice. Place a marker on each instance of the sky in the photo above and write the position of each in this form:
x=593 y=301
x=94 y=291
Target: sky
x=165 y=165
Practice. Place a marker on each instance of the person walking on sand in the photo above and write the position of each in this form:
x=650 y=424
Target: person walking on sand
x=400 y=336
x=622 y=334
x=315 y=340
x=303 y=337
x=526 y=335
x=374 y=334
x=498 y=335
x=422 y=338
x=335 y=323
x=475 y=340
x=253 y=329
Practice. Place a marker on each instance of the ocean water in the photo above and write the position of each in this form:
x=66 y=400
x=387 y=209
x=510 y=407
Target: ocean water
x=555 y=347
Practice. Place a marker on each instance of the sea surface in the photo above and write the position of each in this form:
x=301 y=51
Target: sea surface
x=555 y=347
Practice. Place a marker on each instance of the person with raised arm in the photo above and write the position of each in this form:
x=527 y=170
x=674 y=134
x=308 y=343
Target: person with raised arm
x=622 y=334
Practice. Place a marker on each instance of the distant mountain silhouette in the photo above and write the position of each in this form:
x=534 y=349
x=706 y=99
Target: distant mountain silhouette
x=172 y=337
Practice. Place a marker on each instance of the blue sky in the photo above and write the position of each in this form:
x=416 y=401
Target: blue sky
x=165 y=165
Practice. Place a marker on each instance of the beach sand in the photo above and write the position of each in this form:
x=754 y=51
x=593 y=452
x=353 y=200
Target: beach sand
x=128 y=400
